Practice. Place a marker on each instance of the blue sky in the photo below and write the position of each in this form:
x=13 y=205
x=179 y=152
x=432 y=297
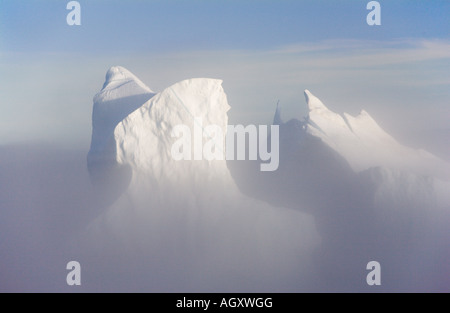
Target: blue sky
x=165 y=25
x=263 y=50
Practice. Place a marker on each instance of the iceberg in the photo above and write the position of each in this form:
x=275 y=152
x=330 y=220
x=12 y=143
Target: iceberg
x=183 y=217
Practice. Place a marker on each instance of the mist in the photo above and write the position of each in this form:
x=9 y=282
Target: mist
x=252 y=247
x=397 y=218
x=46 y=196
x=312 y=225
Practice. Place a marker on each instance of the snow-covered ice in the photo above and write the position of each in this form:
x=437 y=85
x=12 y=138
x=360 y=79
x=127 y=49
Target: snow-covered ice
x=364 y=144
x=346 y=193
x=188 y=217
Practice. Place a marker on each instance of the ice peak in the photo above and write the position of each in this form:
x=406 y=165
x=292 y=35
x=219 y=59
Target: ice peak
x=118 y=75
x=313 y=102
x=122 y=93
x=277 y=118
x=363 y=112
